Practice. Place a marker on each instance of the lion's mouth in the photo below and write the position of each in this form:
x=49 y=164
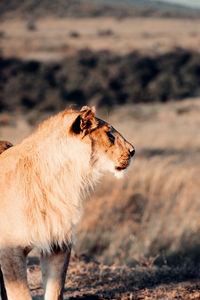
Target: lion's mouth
x=123 y=166
x=120 y=168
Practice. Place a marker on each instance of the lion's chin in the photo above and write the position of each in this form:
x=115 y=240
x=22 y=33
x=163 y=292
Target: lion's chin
x=119 y=173
x=121 y=168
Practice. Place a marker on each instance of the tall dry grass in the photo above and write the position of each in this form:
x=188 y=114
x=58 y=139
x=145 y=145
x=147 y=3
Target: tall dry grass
x=154 y=211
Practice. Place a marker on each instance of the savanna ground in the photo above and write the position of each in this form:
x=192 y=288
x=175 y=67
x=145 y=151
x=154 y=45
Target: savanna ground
x=141 y=236
x=87 y=279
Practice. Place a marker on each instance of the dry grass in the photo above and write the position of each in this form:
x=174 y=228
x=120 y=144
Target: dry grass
x=155 y=209
x=51 y=38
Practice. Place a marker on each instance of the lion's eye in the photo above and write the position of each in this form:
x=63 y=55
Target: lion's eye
x=111 y=137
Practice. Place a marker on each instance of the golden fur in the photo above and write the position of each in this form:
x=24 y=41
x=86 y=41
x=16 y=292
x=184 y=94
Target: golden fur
x=42 y=182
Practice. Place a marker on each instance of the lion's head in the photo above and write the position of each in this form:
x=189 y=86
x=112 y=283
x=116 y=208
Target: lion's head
x=109 y=149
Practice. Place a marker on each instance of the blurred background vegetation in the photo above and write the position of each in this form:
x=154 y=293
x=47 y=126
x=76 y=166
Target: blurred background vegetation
x=138 y=62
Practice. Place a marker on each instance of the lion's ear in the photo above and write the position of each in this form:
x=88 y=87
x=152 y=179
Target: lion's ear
x=4 y=145
x=85 y=122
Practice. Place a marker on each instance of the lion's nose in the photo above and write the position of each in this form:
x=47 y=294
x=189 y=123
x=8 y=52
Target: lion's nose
x=131 y=150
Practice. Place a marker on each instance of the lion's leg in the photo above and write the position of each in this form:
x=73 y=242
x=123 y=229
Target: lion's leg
x=54 y=269
x=13 y=266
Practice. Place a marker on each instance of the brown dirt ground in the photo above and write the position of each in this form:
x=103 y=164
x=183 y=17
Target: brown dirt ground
x=87 y=279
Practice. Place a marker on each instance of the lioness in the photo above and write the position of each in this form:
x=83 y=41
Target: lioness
x=42 y=181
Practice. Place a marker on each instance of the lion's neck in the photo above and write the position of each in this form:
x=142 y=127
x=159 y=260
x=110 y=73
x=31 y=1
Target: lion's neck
x=60 y=176
x=64 y=166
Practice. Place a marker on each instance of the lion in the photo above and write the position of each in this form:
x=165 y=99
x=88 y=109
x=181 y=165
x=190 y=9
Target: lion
x=42 y=183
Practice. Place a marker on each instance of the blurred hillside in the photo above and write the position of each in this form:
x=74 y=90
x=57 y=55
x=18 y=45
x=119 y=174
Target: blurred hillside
x=48 y=62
